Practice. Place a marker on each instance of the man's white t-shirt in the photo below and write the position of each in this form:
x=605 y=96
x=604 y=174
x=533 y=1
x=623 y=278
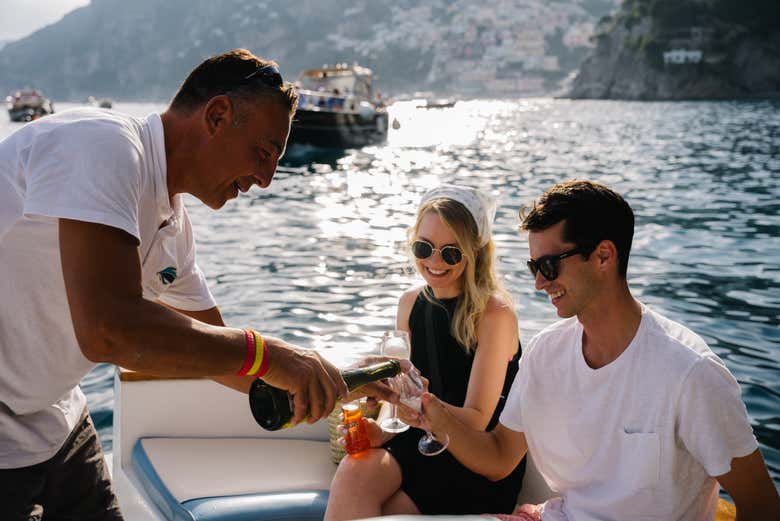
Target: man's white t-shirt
x=640 y=438
x=89 y=165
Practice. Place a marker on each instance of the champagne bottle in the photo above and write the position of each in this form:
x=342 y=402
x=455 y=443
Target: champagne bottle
x=273 y=408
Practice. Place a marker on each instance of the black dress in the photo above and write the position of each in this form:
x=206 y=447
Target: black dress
x=440 y=484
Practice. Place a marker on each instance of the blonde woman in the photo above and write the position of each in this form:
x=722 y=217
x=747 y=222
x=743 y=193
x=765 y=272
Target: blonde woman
x=464 y=336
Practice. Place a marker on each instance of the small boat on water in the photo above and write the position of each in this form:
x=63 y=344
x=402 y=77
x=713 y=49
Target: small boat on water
x=441 y=103
x=27 y=105
x=103 y=103
x=338 y=108
x=190 y=450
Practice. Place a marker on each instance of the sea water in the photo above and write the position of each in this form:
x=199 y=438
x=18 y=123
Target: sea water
x=318 y=259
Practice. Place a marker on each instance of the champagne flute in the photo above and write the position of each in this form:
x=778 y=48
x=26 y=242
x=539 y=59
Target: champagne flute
x=410 y=387
x=395 y=344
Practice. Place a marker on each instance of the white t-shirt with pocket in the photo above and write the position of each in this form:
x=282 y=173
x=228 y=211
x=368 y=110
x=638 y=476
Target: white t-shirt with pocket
x=90 y=165
x=640 y=438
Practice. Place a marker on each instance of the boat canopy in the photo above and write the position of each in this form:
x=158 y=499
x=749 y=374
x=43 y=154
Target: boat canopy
x=338 y=79
x=26 y=98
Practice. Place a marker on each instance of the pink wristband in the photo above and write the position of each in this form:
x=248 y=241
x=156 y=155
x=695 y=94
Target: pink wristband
x=250 y=352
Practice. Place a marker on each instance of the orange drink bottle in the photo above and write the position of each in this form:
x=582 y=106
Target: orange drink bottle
x=356 y=437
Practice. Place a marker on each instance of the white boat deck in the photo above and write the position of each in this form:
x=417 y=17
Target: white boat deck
x=189 y=449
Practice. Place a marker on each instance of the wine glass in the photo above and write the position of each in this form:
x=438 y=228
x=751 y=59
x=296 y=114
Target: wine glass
x=410 y=388
x=395 y=344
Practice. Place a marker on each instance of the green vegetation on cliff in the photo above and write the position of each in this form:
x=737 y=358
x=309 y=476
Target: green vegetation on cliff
x=739 y=43
x=721 y=24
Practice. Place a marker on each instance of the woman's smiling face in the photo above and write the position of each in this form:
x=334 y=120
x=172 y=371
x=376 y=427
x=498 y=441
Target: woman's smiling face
x=443 y=278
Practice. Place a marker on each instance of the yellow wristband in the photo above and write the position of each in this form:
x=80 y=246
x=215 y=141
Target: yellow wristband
x=259 y=353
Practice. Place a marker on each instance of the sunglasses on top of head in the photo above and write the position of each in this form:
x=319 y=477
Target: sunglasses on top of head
x=268 y=74
x=449 y=254
x=549 y=264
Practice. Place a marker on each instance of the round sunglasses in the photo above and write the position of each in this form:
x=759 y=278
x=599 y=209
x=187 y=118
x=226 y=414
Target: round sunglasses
x=549 y=264
x=449 y=254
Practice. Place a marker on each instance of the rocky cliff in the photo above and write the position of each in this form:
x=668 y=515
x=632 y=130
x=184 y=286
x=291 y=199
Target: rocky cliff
x=684 y=49
x=142 y=49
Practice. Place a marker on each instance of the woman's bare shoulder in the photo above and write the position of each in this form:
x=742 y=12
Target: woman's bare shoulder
x=409 y=296
x=405 y=304
x=499 y=315
x=498 y=308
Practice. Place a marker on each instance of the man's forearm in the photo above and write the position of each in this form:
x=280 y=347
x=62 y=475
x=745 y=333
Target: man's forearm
x=491 y=454
x=145 y=336
x=469 y=417
x=478 y=451
x=214 y=317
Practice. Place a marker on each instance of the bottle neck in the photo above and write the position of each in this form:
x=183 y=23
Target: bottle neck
x=360 y=376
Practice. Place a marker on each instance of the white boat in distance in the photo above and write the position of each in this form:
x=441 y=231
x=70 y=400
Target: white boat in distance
x=28 y=105
x=338 y=108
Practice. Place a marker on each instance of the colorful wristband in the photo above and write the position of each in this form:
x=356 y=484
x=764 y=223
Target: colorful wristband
x=263 y=357
x=259 y=354
x=251 y=353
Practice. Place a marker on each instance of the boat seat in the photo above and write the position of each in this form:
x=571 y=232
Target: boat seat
x=235 y=479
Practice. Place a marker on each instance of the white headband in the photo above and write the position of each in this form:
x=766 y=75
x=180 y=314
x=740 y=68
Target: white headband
x=480 y=205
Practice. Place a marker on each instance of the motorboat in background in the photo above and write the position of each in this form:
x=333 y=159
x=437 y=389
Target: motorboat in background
x=27 y=105
x=426 y=99
x=441 y=103
x=338 y=108
x=103 y=103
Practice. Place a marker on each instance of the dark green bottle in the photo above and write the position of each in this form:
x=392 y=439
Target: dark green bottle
x=272 y=407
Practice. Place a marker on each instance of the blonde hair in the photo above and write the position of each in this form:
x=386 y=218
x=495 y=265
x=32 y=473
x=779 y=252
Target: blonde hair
x=479 y=281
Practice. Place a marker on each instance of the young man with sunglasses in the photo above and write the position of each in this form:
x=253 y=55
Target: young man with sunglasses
x=98 y=265
x=626 y=414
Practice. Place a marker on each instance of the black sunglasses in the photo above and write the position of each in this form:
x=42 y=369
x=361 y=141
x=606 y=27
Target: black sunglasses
x=449 y=254
x=268 y=74
x=549 y=264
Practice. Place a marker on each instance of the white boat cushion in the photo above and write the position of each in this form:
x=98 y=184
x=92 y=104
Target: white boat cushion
x=194 y=468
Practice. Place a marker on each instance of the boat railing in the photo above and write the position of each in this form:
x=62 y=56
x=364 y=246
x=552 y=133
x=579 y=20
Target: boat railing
x=319 y=100
x=332 y=102
x=22 y=99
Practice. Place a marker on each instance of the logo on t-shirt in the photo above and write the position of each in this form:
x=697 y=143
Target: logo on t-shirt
x=167 y=275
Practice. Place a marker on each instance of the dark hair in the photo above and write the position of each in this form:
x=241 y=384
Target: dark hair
x=226 y=74
x=592 y=213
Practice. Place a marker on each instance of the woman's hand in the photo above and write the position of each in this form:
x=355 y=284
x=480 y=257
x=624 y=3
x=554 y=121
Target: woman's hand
x=376 y=436
x=409 y=415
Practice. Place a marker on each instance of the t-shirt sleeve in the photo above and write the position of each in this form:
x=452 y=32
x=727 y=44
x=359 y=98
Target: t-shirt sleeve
x=512 y=415
x=189 y=292
x=713 y=423
x=85 y=174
